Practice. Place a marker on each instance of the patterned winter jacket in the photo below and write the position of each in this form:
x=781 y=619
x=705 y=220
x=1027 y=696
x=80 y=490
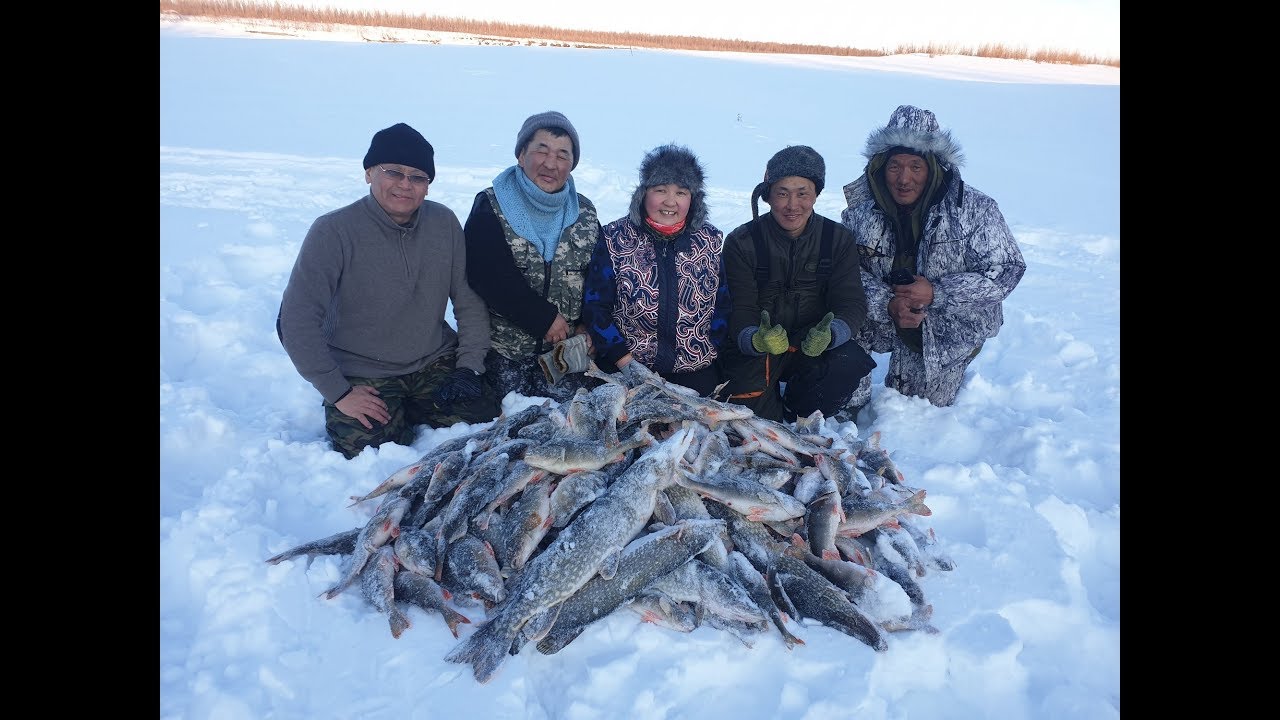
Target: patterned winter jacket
x=966 y=249
x=524 y=291
x=664 y=300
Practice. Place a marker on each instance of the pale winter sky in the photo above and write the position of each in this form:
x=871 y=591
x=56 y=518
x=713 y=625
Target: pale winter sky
x=1091 y=27
x=260 y=136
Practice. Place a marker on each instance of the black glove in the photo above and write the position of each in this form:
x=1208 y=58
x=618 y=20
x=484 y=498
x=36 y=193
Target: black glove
x=461 y=385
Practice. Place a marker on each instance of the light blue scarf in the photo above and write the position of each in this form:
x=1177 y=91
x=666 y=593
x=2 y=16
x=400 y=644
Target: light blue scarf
x=538 y=216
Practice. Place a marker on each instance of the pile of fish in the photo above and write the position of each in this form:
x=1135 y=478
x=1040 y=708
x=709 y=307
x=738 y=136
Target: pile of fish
x=640 y=496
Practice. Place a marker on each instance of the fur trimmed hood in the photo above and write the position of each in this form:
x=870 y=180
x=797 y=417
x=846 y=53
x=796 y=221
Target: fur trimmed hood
x=917 y=129
x=671 y=164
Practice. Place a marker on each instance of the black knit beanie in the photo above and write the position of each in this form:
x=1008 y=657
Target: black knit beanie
x=401 y=145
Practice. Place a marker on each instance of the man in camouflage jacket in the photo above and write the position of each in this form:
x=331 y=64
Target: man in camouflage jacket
x=529 y=241
x=911 y=212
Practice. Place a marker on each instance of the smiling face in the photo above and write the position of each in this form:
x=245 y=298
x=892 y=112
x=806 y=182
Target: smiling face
x=667 y=204
x=791 y=202
x=547 y=160
x=399 y=196
x=906 y=177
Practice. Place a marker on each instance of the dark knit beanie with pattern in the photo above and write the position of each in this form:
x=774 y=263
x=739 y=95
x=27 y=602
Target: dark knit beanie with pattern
x=544 y=121
x=401 y=145
x=795 y=160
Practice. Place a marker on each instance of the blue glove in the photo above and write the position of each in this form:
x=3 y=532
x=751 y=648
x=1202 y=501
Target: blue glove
x=461 y=385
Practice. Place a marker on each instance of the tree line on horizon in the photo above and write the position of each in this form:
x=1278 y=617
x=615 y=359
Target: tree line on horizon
x=543 y=35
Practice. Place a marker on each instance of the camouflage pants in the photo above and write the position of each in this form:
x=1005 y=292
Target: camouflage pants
x=907 y=376
x=410 y=402
x=503 y=375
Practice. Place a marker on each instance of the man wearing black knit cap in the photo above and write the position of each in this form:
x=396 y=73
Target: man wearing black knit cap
x=797 y=298
x=363 y=314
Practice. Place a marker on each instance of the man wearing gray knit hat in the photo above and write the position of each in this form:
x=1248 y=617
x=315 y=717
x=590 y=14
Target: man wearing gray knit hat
x=797 y=298
x=529 y=239
x=937 y=258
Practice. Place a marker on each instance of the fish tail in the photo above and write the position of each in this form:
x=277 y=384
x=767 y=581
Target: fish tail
x=484 y=651
x=399 y=622
x=916 y=503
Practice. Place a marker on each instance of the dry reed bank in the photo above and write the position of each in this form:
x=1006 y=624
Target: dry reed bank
x=487 y=31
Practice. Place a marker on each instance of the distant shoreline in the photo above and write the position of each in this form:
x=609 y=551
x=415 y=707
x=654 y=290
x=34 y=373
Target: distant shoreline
x=296 y=21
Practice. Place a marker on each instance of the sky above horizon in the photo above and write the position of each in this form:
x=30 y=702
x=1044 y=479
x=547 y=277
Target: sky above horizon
x=1090 y=27
x=1022 y=474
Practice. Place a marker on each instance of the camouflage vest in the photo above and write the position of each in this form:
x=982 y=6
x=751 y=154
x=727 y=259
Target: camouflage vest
x=564 y=289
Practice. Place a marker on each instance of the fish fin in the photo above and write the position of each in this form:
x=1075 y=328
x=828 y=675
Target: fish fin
x=537 y=627
x=609 y=566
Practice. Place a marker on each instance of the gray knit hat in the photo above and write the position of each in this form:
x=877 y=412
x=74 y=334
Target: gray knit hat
x=546 y=121
x=798 y=160
x=671 y=163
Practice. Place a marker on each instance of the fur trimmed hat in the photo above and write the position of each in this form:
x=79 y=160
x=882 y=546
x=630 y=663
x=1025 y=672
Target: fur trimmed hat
x=544 y=121
x=916 y=131
x=401 y=145
x=676 y=164
x=794 y=160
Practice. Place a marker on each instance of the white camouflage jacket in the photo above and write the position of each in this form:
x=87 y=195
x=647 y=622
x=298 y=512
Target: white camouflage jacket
x=966 y=250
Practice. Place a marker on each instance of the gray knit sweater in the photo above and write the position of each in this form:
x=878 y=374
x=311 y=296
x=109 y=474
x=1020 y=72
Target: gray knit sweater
x=367 y=297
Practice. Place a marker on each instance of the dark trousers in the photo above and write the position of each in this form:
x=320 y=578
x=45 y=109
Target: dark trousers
x=702 y=381
x=821 y=383
x=410 y=402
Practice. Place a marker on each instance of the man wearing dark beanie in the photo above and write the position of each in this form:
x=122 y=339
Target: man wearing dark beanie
x=363 y=313
x=529 y=240
x=797 y=298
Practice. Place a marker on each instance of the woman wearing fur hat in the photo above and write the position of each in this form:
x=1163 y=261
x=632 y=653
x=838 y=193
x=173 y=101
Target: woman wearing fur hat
x=362 y=316
x=911 y=212
x=797 y=298
x=529 y=238
x=656 y=293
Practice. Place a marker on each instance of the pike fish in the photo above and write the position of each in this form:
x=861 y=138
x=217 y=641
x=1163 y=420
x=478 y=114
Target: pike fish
x=644 y=561
x=591 y=544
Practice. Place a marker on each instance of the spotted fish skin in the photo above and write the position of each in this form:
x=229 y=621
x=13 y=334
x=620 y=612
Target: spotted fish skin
x=589 y=545
x=644 y=561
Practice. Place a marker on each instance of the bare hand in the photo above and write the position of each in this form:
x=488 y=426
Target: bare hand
x=904 y=314
x=558 y=331
x=363 y=404
x=918 y=294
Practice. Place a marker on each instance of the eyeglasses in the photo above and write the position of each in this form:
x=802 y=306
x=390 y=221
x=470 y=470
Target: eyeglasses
x=397 y=176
